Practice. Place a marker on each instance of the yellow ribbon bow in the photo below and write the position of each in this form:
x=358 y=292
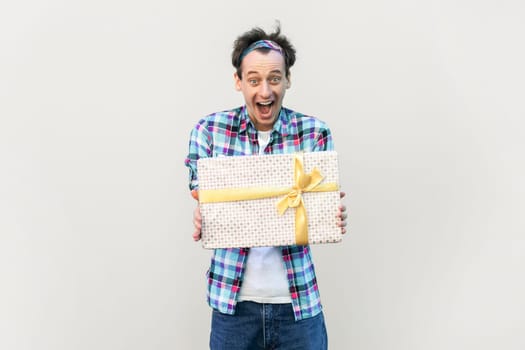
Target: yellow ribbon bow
x=294 y=199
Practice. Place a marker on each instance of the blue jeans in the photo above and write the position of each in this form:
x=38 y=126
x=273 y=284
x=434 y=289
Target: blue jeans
x=266 y=326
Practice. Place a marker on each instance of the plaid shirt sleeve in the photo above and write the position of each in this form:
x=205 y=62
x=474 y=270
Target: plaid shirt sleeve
x=324 y=141
x=200 y=146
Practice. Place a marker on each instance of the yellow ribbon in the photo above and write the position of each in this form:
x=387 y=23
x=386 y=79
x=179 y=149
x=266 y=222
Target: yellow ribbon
x=292 y=196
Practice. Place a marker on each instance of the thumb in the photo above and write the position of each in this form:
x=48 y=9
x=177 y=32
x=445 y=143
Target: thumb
x=195 y=194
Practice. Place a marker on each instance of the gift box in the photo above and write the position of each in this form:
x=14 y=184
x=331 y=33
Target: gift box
x=269 y=200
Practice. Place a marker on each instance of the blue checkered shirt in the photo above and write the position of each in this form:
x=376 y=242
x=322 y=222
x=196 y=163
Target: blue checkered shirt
x=231 y=133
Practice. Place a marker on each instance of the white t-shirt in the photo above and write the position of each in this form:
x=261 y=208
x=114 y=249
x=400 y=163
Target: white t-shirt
x=265 y=279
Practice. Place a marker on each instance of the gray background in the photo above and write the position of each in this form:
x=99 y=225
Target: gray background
x=425 y=101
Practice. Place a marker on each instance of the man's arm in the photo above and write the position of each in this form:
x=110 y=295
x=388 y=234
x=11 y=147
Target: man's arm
x=199 y=147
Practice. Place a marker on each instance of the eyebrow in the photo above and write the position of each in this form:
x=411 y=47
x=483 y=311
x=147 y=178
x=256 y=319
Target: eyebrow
x=275 y=71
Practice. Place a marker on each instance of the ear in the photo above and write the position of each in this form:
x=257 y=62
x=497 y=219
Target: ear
x=288 y=81
x=237 y=81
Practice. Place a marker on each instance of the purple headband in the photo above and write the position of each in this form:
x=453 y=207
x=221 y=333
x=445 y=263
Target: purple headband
x=262 y=44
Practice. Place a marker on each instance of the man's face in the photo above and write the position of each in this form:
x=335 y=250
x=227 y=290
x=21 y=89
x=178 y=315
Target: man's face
x=263 y=86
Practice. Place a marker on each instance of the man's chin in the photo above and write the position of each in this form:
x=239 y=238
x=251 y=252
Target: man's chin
x=265 y=124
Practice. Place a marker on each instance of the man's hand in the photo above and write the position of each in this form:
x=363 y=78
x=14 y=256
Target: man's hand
x=197 y=219
x=342 y=215
x=197 y=222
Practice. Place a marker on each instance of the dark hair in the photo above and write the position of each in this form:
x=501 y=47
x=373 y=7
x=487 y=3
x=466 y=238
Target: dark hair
x=256 y=34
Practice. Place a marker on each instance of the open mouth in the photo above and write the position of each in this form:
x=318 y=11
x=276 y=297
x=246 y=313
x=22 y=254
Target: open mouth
x=265 y=107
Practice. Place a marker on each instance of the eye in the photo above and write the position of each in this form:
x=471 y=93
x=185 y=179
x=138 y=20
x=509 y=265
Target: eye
x=275 y=80
x=252 y=82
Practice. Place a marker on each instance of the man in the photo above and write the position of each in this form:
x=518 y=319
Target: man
x=262 y=298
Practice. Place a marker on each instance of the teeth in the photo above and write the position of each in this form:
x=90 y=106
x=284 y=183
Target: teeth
x=265 y=103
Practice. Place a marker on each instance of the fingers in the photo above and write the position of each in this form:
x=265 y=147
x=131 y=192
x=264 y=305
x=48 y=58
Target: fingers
x=342 y=215
x=195 y=194
x=197 y=223
x=197 y=220
x=342 y=224
x=196 y=236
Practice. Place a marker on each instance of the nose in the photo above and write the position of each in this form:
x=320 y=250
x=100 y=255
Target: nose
x=264 y=89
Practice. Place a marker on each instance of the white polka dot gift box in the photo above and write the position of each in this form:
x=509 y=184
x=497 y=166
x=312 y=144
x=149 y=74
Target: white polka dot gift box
x=269 y=200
